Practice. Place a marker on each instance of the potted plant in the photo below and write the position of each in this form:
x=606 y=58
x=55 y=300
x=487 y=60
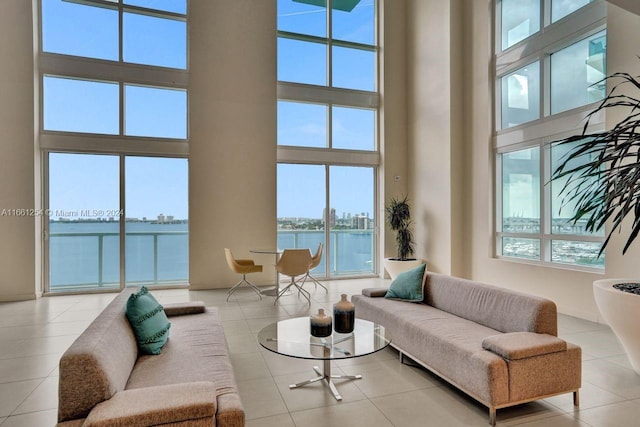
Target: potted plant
x=398 y=217
x=601 y=174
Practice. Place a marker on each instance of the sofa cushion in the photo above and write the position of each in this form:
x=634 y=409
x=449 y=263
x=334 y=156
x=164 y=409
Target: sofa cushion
x=501 y=309
x=161 y=405
x=148 y=320
x=407 y=286
x=520 y=345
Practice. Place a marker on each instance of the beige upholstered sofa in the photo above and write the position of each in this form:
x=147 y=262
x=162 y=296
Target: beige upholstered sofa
x=498 y=346
x=104 y=382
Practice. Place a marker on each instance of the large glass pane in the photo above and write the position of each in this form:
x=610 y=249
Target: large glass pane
x=562 y=209
x=302 y=124
x=302 y=62
x=354 y=20
x=354 y=68
x=353 y=128
x=303 y=17
x=351 y=220
x=521 y=96
x=577 y=72
x=520 y=19
x=521 y=191
x=577 y=253
x=84 y=216
x=521 y=248
x=562 y=8
x=176 y=6
x=80 y=28
x=154 y=41
x=301 y=202
x=155 y=112
x=74 y=105
x=157 y=222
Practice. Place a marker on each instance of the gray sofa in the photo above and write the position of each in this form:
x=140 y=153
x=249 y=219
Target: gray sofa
x=105 y=382
x=498 y=346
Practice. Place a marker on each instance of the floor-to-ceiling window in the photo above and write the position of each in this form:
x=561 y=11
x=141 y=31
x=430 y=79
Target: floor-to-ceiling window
x=327 y=131
x=113 y=137
x=550 y=62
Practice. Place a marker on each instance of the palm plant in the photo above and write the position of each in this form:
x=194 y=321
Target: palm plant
x=602 y=169
x=398 y=217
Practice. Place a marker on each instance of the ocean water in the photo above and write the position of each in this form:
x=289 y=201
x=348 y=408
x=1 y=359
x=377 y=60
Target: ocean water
x=87 y=254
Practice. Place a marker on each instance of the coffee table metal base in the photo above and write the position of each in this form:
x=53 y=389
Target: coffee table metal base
x=325 y=374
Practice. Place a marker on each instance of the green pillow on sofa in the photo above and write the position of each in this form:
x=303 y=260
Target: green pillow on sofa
x=407 y=286
x=148 y=320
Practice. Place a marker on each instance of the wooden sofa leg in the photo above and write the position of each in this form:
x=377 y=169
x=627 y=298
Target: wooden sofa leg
x=576 y=398
x=401 y=356
x=492 y=416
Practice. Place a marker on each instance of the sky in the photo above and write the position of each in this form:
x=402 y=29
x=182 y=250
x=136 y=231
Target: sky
x=89 y=183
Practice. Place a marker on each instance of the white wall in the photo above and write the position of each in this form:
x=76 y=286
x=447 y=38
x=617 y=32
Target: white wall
x=17 y=234
x=436 y=159
x=232 y=166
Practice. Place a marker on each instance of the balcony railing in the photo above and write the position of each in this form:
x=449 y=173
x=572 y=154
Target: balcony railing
x=351 y=251
x=92 y=259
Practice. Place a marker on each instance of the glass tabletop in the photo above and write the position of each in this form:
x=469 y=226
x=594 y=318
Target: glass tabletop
x=292 y=337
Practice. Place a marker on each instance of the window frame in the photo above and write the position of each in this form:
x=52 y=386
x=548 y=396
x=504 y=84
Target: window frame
x=552 y=37
x=336 y=96
x=120 y=72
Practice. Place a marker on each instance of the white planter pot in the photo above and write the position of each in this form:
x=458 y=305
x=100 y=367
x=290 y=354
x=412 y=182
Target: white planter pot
x=621 y=310
x=395 y=267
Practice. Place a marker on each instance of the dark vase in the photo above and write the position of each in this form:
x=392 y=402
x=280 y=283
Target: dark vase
x=321 y=324
x=344 y=315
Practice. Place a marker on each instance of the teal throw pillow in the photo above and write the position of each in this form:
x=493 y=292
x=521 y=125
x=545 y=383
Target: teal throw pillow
x=407 y=286
x=148 y=320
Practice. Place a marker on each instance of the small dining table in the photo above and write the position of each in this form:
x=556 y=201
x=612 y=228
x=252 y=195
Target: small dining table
x=271 y=251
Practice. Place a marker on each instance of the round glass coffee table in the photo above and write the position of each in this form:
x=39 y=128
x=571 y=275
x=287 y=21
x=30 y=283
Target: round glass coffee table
x=292 y=337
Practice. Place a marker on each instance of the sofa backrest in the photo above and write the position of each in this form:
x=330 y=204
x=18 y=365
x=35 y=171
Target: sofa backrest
x=98 y=363
x=497 y=308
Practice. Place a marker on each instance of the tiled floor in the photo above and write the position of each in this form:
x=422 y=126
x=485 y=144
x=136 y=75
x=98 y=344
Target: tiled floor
x=34 y=334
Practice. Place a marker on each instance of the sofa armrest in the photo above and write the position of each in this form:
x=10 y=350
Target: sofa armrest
x=520 y=345
x=166 y=404
x=182 y=308
x=374 y=292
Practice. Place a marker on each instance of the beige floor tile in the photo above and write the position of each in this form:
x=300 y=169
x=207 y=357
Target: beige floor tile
x=33 y=419
x=283 y=365
x=234 y=327
x=13 y=394
x=77 y=315
x=529 y=412
x=353 y=414
x=390 y=377
x=621 y=360
x=591 y=396
x=283 y=420
x=37 y=346
x=612 y=377
x=243 y=343
x=26 y=368
x=565 y=420
x=623 y=414
x=317 y=394
x=599 y=343
x=249 y=366
x=261 y=398
x=434 y=406
x=44 y=397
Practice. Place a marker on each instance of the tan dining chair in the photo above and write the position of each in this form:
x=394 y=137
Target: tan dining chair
x=293 y=263
x=315 y=261
x=244 y=267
